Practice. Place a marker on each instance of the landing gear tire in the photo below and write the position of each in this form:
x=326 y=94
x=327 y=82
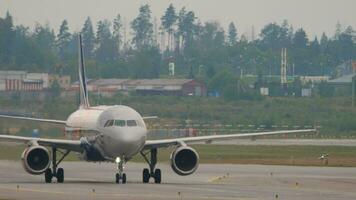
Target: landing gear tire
x=117 y=178
x=152 y=171
x=54 y=172
x=157 y=176
x=122 y=178
x=145 y=175
x=120 y=175
x=60 y=175
x=48 y=175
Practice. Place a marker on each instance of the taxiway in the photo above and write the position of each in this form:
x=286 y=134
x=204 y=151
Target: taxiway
x=211 y=181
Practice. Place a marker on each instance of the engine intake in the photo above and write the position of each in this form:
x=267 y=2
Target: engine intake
x=184 y=160
x=35 y=159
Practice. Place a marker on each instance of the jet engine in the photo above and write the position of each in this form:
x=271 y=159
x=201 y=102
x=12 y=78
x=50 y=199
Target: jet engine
x=35 y=159
x=184 y=160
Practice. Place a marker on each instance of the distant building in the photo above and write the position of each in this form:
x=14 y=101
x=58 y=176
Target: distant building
x=32 y=85
x=177 y=87
x=306 y=92
x=107 y=85
x=39 y=76
x=2 y=85
x=342 y=86
x=63 y=80
x=23 y=81
x=344 y=69
x=264 y=91
x=12 y=75
x=343 y=80
x=11 y=80
x=313 y=79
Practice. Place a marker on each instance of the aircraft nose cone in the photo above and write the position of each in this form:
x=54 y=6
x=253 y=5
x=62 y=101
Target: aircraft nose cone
x=133 y=136
x=129 y=135
x=124 y=141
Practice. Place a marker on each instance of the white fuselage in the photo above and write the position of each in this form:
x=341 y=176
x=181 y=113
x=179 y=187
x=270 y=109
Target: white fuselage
x=114 y=131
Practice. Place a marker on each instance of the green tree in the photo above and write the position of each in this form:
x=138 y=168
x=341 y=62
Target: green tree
x=6 y=38
x=145 y=63
x=143 y=28
x=186 y=26
x=221 y=80
x=107 y=49
x=300 y=39
x=285 y=33
x=168 y=21
x=338 y=30
x=55 y=89
x=324 y=41
x=88 y=38
x=44 y=37
x=63 y=40
x=274 y=36
x=117 y=33
x=345 y=45
x=326 y=90
x=232 y=34
x=27 y=53
x=44 y=42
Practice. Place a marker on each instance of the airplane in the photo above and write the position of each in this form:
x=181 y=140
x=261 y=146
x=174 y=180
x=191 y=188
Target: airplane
x=110 y=133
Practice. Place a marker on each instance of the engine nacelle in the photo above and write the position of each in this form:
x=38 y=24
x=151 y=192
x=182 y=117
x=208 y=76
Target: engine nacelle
x=184 y=160
x=35 y=159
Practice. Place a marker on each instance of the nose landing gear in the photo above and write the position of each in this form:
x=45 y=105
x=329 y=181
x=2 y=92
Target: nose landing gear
x=152 y=172
x=120 y=175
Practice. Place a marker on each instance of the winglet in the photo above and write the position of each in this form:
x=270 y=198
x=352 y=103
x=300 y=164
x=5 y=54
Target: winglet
x=84 y=99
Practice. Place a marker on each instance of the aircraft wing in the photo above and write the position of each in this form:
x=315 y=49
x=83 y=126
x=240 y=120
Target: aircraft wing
x=72 y=145
x=53 y=121
x=150 y=144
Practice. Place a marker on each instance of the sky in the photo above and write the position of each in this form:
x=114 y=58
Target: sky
x=315 y=16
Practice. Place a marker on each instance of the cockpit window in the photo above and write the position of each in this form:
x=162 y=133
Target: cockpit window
x=131 y=123
x=121 y=123
x=109 y=123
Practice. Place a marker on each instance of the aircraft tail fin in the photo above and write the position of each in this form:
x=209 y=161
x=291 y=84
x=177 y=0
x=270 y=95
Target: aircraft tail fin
x=84 y=98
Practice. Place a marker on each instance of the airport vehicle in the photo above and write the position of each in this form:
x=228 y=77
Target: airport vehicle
x=110 y=133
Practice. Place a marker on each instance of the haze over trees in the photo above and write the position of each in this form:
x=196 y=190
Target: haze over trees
x=204 y=50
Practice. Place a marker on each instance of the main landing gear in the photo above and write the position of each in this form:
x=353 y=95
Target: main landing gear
x=120 y=175
x=54 y=172
x=152 y=172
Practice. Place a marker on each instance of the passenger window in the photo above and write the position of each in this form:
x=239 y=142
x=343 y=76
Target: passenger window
x=109 y=123
x=120 y=123
x=131 y=123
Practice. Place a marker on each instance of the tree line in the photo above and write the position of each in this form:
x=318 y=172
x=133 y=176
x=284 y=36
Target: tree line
x=203 y=50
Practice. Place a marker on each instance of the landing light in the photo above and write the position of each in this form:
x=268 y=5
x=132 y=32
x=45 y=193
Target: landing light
x=117 y=160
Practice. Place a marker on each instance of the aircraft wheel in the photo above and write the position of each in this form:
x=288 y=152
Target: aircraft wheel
x=117 y=177
x=157 y=176
x=123 y=178
x=145 y=175
x=48 y=175
x=60 y=175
